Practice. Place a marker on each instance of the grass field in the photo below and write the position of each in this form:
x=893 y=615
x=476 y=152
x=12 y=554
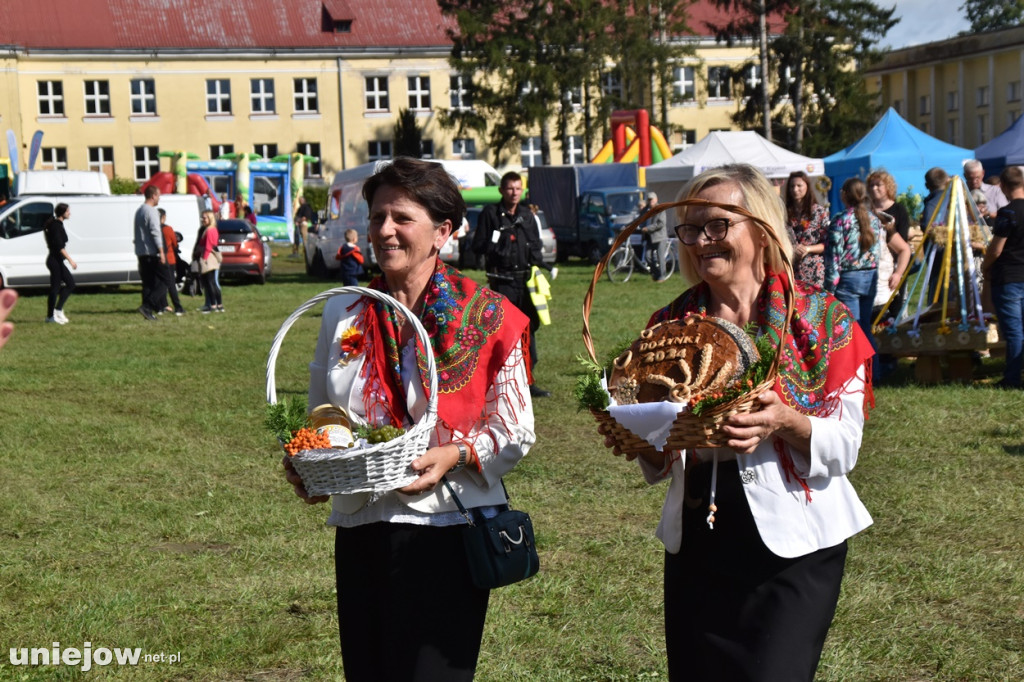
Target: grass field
x=143 y=507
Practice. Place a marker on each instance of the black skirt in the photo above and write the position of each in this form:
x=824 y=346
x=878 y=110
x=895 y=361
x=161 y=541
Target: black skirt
x=734 y=610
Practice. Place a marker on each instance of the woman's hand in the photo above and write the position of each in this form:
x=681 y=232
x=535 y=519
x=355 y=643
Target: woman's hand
x=293 y=477
x=431 y=466
x=8 y=297
x=799 y=251
x=746 y=431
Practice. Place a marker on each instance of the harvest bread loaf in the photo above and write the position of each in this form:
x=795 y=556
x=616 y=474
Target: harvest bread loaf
x=681 y=360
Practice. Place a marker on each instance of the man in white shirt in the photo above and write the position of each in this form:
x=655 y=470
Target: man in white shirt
x=974 y=174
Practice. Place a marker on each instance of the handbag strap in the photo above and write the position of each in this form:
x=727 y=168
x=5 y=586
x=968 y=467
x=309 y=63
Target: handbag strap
x=462 y=508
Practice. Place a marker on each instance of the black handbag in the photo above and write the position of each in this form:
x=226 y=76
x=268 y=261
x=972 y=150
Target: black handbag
x=500 y=550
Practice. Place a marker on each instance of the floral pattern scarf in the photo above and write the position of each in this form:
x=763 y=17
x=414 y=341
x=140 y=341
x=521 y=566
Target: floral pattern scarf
x=472 y=331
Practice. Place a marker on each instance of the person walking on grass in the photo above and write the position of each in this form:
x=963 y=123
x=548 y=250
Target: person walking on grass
x=57 y=261
x=205 y=251
x=168 y=274
x=149 y=239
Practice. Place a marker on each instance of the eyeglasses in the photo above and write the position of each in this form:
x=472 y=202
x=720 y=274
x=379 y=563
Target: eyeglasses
x=715 y=230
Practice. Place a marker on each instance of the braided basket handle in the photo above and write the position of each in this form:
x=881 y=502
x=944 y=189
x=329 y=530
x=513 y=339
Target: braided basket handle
x=275 y=347
x=599 y=269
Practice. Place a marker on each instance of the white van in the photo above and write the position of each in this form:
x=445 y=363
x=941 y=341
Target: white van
x=100 y=236
x=471 y=173
x=346 y=209
x=62 y=182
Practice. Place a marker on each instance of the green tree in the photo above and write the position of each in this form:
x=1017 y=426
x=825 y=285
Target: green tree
x=408 y=137
x=987 y=15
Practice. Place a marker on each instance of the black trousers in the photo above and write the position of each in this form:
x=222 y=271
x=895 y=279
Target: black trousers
x=166 y=275
x=517 y=293
x=152 y=291
x=735 y=611
x=61 y=283
x=407 y=608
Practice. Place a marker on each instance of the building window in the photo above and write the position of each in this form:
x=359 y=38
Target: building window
x=218 y=96
x=982 y=128
x=983 y=96
x=751 y=78
x=718 y=82
x=611 y=84
x=925 y=127
x=459 y=88
x=924 y=105
x=377 y=93
x=682 y=83
x=51 y=98
x=526 y=90
x=97 y=98
x=426 y=149
x=147 y=163
x=953 y=100
x=261 y=96
x=54 y=158
x=464 y=148
x=314 y=169
x=419 y=93
x=219 y=150
x=102 y=159
x=687 y=138
x=306 y=101
x=143 y=94
x=573 y=99
x=1013 y=91
x=266 y=150
x=574 y=149
x=378 y=150
x=529 y=152
x=953 y=131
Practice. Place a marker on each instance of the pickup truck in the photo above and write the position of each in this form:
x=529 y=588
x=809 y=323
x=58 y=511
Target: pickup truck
x=586 y=204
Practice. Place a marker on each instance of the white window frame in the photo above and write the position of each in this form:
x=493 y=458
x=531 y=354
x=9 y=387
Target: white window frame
x=265 y=150
x=53 y=158
x=378 y=96
x=426 y=148
x=378 y=150
x=953 y=100
x=97 y=102
x=924 y=105
x=983 y=97
x=220 y=97
x=459 y=88
x=720 y=71
x=148 y=162
x=529 y=152
x=953 y=131
x=687 y=138
x=101 y=158
x=145 y=98
x=611 y=84
x=221 y=150
x=51 y=98
x=306 y=95
x=684 y=84
x=261 y=99
x=982 y=128
x=464 y=148
x=751 y=77
x=419 y=93
x=314 y=169
x=573 y=98
x=1013 y=91
x=574 y=150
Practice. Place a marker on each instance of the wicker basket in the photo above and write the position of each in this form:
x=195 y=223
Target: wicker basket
x=688 y=430
x=377 y=468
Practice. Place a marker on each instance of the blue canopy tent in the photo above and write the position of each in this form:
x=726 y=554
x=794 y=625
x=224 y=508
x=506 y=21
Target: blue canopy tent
x=899 y=148
x=1007 y=149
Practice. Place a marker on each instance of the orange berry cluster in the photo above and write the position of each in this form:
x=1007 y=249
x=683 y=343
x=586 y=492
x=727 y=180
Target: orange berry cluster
x=306 y=439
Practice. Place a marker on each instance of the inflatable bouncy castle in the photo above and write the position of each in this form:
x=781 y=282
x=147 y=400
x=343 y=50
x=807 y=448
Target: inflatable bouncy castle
x=634 y=140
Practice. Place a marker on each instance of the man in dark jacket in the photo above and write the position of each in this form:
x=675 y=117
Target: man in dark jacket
x=508 y=238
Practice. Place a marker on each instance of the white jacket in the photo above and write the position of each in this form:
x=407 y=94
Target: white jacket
x=789 y=525
x=500 y=439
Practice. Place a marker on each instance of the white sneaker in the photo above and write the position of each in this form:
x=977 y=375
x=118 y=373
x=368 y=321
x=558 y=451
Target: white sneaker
x=60 y=317
x=56 y=320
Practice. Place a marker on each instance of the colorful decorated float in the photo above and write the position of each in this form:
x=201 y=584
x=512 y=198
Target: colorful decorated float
x=942 y=315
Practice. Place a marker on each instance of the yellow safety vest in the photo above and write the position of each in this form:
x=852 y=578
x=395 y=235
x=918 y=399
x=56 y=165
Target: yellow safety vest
x=540 y=294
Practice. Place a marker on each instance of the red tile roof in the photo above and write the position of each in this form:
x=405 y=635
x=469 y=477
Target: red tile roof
x=112 y=25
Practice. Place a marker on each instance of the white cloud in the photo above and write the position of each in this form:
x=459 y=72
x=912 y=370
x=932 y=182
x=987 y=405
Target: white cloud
x=925 y=21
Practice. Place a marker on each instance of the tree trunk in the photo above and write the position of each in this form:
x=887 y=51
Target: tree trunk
x=798 y=90
x=763 y=49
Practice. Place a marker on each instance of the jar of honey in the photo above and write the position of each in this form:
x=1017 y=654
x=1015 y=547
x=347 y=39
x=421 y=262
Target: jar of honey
x=333 y=422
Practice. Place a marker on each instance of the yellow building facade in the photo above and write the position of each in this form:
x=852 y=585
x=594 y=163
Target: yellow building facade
x=964 y=91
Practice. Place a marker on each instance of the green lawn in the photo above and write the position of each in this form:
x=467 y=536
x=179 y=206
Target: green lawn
x=144 y=507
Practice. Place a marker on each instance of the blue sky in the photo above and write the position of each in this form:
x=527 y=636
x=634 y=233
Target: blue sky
x=924 y=21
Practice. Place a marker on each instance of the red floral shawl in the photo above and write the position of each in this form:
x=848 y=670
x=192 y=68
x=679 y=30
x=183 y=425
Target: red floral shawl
x=472 y=331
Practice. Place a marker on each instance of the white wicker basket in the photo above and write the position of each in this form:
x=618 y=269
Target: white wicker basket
x=377 y=468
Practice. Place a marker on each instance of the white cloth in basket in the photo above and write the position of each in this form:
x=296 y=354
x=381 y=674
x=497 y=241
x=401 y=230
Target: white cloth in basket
x=500 y=442
x=650 y=421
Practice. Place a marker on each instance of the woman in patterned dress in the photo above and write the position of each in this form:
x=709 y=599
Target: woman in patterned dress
x=806 y=224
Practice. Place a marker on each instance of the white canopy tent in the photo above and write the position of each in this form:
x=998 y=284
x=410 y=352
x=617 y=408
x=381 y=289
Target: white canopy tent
x=720 y=148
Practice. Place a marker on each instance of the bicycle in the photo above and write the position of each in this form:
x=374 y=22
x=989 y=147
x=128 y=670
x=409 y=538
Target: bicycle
x=635 y=255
